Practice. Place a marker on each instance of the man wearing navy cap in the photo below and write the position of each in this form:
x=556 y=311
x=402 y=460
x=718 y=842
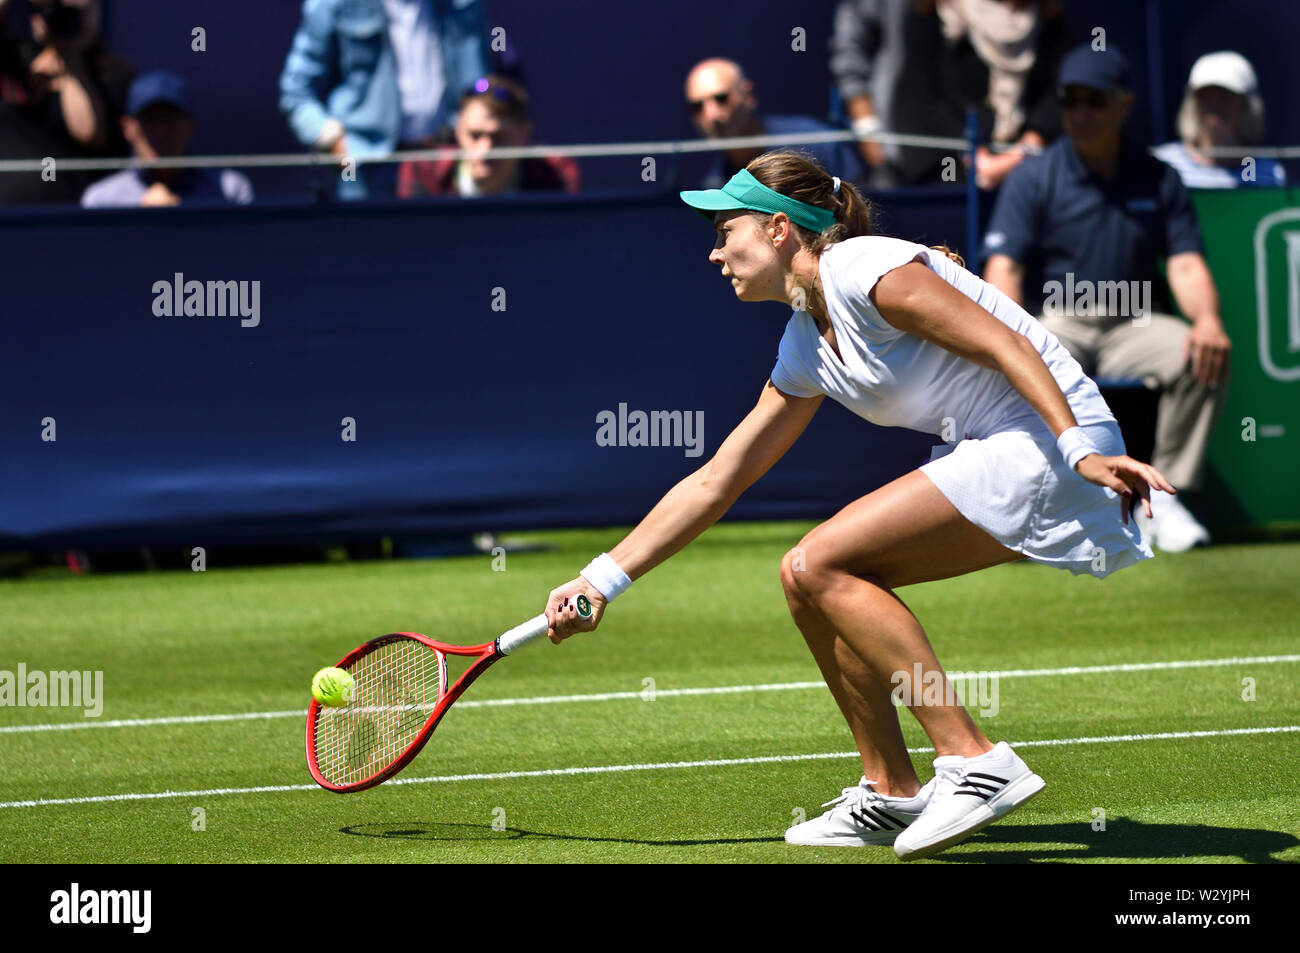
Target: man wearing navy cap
x=1077 y=234
x=158 y=124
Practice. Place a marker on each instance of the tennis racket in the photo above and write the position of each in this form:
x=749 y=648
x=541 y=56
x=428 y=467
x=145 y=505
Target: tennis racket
x=399 y=696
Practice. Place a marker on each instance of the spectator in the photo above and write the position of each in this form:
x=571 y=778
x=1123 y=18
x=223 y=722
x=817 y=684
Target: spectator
x=493 y=113
x=158 y=124
x=1090 y=217
x=916 y=66
x=366 y=76
x=60 y=95
x=722 y=103
x=866 y=60
x=1222 y=108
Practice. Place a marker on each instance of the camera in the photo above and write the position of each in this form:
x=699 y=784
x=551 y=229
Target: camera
x=63 y=20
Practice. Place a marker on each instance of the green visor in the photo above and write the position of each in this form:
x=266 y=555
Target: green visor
x=745 y=191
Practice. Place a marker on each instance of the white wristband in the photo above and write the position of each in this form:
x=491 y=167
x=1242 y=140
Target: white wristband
x=866 y=125
x=1074 y=445
x=331 y=131
x=606 y=577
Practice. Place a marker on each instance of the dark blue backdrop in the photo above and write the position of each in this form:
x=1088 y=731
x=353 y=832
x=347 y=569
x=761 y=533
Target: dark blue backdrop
x=193 y=430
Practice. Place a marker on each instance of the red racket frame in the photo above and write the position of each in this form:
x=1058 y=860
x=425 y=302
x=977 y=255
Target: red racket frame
x=488 y=653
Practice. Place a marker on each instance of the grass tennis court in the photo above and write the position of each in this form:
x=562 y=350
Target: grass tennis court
x=677 y=783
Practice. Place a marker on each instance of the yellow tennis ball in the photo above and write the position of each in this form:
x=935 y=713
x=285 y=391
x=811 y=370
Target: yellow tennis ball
x=332 y=687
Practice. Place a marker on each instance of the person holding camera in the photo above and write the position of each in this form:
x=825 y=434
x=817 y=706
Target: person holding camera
x=60 y=94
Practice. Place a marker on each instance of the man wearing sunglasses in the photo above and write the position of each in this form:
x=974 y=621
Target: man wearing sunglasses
x=722 y=104
x=1077 y=235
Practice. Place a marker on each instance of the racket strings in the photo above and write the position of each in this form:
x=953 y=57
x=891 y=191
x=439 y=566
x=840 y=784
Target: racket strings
x=396 y=688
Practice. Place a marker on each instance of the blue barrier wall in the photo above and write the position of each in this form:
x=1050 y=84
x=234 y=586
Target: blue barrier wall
x=176 y=430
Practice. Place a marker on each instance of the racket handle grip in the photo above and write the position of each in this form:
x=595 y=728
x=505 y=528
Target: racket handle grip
x=532 y=630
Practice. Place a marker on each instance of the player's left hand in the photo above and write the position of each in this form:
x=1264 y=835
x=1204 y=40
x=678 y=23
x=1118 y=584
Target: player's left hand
x=562 y=613
x=1131 y=479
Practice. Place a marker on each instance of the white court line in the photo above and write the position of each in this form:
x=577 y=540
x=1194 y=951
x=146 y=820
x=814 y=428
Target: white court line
x=661 y=693
x=624 y=768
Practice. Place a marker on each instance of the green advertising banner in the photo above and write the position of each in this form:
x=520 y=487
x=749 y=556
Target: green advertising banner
x=1252 y=245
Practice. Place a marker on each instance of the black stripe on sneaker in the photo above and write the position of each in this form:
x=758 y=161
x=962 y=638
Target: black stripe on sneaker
x=874 y=820
x=888 y=821
x=981 y=789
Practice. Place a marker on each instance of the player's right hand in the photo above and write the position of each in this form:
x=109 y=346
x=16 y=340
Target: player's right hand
x=562 y=615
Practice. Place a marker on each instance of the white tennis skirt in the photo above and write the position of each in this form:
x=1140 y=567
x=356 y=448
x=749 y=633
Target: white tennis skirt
x=1016 y=487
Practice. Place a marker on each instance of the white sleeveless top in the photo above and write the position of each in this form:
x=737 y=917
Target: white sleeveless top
x=895 y=379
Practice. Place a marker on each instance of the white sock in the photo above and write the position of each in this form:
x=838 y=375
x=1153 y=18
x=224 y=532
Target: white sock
x=908 y=803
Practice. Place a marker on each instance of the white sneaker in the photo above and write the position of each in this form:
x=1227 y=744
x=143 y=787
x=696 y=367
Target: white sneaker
x=969 y=793
x=860 y=816
x=1171 y=527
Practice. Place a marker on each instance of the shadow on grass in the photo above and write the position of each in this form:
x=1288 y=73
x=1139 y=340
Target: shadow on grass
x=1123 y=839
x=449 y=831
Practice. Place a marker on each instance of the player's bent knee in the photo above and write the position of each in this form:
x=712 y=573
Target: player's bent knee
x=801 y=578
x=806 y=576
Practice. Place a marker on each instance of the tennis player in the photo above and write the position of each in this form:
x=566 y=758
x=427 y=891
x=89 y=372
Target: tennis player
x=1033 y=467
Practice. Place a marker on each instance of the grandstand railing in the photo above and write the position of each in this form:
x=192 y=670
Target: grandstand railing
x=966 y=146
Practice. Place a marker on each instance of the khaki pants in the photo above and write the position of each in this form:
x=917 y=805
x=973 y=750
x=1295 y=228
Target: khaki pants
x=1187 y=412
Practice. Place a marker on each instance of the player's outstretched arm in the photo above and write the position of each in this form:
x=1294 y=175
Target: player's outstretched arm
x=697 y=502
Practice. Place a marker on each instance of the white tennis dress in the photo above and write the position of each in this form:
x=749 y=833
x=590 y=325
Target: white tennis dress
x=1001 y=468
